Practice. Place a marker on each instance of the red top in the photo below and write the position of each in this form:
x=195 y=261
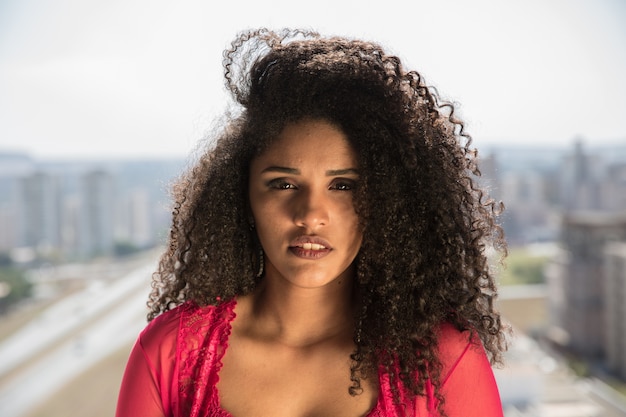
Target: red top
x=173 y=371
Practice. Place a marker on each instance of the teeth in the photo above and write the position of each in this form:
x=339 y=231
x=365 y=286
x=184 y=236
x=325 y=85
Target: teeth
x=312 y=246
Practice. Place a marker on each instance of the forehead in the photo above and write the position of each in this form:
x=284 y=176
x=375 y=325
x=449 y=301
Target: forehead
x=310 y=142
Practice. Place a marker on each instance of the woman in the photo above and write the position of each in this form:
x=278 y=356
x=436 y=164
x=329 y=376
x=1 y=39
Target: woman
x=327 y=253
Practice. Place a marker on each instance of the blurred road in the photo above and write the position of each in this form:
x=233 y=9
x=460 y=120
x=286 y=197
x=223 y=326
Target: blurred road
x=536 y=384
x=69 y=337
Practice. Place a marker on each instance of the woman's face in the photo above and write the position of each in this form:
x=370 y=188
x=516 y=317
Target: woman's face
x=301 y=191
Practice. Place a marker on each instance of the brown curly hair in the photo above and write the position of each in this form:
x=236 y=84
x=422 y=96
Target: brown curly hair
x=427 y=226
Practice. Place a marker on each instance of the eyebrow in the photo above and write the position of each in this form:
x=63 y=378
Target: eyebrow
x=294 y=171
x=336 y=172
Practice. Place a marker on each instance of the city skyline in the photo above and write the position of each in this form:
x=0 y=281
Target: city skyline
x=137 y=78
x=536 y=375
x=75 y=203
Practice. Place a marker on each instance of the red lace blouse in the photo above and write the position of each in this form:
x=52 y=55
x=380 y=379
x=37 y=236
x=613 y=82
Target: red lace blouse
x=173 y=371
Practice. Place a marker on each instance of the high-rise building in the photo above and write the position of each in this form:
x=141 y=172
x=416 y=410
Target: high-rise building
x=135 y=221
x=613 y=188
x=98 y=213
x=578 y=278
x=39 y=211
x=71 y=225
x=580 y=179
x=528 y=216
x=615 y=306
x=8 y=236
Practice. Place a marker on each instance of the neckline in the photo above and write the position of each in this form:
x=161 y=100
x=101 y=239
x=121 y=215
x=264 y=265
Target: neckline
x=224 y=337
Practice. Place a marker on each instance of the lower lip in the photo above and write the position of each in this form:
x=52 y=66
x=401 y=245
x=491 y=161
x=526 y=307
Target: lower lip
x=308 y=253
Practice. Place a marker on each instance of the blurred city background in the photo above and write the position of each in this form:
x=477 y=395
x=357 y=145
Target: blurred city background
x=102 y=105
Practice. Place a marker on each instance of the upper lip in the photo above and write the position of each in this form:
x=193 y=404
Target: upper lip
x=299 y=241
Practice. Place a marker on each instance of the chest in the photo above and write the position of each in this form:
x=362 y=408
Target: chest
x=269 y=380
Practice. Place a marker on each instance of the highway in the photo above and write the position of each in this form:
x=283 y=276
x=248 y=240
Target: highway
x=69 y=337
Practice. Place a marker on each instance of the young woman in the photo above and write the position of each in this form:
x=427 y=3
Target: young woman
x=327 y=255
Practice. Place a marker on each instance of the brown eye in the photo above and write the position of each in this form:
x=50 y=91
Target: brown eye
x=343 y=185
x=281 y=184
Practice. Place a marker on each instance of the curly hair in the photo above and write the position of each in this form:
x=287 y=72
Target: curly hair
x=427 y=226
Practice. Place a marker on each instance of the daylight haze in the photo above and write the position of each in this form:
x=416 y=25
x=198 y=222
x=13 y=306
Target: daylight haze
x=101 y=101
x=143 y=78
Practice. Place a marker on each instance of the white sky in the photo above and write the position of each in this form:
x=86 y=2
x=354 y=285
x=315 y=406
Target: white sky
x=144 y=78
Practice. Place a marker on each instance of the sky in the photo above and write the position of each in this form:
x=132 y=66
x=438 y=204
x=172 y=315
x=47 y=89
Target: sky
x=143 y=78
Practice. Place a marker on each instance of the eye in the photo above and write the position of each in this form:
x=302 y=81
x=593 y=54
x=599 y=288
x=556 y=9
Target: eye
x=343 y=185
x=281 y=184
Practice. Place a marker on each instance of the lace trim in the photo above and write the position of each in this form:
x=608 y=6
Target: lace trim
x=202 y=342
x=203 y=339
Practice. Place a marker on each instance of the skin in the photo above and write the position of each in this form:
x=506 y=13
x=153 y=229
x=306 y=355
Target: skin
x=301 y=192
x=291 y=339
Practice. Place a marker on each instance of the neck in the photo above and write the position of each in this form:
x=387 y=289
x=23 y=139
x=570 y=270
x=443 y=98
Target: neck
x=301 y=317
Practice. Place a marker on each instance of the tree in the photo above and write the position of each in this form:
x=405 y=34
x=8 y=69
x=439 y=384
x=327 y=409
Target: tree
x=14 y=287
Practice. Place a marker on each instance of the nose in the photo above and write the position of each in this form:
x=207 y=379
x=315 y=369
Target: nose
x=311 y=210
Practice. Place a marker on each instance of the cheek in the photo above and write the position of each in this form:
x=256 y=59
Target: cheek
x=265 y=211
x=266 y=222
x=355 y=231
x=258 y=206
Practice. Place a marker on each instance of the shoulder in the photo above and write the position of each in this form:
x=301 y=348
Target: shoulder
x=163 y=332
x=467 y=381
x=452 y=341
x=457 y=348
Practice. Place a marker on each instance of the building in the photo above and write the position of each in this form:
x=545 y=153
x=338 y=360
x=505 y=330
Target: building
x=578 y=280
x=581 y=176
x=8 y=237
x=615 y=306
x=135 y=221
x=97 y=214
x=39 y=206
x=613 y=188
x=528 y=216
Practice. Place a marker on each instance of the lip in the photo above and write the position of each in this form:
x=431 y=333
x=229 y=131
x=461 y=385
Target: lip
x=299 y=241
x=296 y=247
